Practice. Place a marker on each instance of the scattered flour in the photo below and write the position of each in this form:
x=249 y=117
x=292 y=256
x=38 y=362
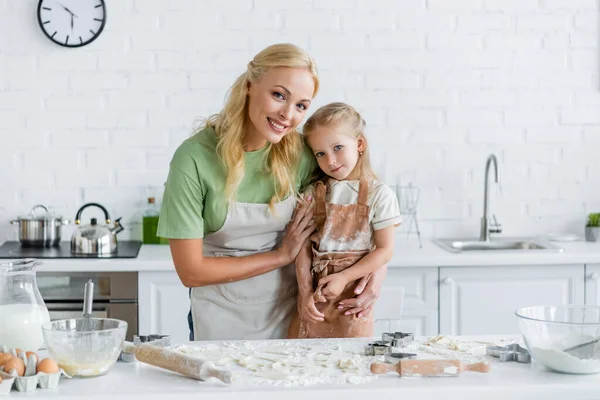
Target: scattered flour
x=560 y=361
x=292 y=363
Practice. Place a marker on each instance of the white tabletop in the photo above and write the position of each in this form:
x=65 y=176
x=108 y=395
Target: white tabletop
x=508 y=380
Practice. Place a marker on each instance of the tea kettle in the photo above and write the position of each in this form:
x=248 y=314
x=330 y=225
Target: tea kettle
x=93 y=238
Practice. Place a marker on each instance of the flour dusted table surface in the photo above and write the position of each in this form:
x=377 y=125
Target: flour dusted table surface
x=505 y=381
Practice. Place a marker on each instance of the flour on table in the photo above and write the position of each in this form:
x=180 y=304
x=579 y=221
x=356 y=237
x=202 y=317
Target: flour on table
x=291 y=363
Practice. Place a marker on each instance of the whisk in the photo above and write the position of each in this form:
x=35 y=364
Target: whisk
x=86 y=323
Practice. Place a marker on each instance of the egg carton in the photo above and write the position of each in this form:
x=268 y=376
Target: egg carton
x=31 y=379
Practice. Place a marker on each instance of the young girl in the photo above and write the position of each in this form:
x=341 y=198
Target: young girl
x=355 y=215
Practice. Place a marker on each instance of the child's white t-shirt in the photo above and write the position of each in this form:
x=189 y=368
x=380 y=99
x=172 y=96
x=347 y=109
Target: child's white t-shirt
x=382 y=201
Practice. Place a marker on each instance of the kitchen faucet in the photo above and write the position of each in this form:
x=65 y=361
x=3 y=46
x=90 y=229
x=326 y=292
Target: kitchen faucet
x=488 y=227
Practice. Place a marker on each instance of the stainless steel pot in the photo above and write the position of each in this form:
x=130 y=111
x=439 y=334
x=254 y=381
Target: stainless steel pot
x=39 y=230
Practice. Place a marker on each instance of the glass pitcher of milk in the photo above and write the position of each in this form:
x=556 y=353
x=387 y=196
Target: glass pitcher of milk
x=22 y=309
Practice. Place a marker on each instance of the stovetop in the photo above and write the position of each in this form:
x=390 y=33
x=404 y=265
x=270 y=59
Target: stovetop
x=125 y=249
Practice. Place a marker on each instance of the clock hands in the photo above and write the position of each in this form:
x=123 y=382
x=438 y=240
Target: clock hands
x=72 y=15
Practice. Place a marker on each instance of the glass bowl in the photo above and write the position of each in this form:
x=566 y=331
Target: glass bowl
x=551 y=332
x=85 y=351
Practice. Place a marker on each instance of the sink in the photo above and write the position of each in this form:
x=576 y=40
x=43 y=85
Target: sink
x=460 y=245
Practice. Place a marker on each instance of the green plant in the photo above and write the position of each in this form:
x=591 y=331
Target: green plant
x=593 y=220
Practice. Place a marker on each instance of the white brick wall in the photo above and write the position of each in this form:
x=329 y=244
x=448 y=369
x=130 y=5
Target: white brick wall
x=441 y=83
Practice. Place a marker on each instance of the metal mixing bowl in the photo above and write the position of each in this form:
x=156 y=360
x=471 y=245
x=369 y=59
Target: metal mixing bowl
x=85 y=352
x=550 y=330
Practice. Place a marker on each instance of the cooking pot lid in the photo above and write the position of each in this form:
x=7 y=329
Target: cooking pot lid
x=39 y=213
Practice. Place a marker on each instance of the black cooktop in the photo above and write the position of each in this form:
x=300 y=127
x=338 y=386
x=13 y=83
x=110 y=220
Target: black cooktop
x=125 y=249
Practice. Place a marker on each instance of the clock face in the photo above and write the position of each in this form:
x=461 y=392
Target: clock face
x=72 y=23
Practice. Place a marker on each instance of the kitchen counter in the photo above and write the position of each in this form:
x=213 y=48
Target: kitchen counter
x=407 y=254
x=505 y=380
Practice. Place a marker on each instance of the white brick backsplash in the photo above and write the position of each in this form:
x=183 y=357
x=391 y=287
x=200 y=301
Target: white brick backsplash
x=512 y=5
x=508 y=41
x=441 y=83
x=84 y=179
x=78 y=139
x=11 y=120
x=267 y=21
x=485 y=98
x=586 y=21
x=553 y=135
x=55 y=160
x=494 y=135
x=556 y=40
x=580 y=115
x=482 y=23
x=106 y=119
x=294 y=20
x=98 y=81
x=468 y=116
x=426 y=21
x=140 y=62
x=115 y=159
x=541 y=22
x=456 y=41
x=139 y=139
x=393 y=80
x=369 y=22
x=572 y=5
x=531 y=116
x=544 y=98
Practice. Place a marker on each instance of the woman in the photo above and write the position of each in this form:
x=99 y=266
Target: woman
x=230 y=194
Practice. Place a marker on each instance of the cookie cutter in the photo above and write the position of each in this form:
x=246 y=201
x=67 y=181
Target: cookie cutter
x=511 y=352
x=394 y=358
x=397 y=339
x=378 y=348
x=154 y=339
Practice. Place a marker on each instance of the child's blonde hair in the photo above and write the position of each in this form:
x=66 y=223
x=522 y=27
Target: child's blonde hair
x=342 y=113
x=231 y=123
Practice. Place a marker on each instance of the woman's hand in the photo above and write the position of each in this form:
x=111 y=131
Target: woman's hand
x=308 y=311
x=368 y=291
x=297 y=231
x=333 y=285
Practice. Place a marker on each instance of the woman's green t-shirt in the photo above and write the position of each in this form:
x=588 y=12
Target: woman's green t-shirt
x=194 y=204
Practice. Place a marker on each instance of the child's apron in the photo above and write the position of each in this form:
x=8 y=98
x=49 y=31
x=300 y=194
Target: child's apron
x=339 y=223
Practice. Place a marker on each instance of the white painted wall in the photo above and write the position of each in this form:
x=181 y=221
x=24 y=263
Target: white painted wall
x=441 y=83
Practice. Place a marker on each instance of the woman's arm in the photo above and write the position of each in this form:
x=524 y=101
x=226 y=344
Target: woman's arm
x=303 y=267
x=194 y=269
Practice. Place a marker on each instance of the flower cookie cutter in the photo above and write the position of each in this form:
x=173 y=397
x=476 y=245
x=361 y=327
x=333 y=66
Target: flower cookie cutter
x=511 y=352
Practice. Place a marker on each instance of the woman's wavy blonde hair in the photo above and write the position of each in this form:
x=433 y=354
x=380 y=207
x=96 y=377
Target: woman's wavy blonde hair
x=342 y=113
x=231 y=123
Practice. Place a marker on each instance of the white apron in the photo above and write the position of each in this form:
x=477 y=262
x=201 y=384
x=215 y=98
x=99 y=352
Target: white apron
x=254 y=308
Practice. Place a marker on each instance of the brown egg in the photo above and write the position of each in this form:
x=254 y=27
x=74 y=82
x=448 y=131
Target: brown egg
x=14 y=363
x=48 y=366
x=4 y=357
x=28 y=353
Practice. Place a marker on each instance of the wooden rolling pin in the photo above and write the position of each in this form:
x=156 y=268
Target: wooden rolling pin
x=177 y=362
x=429 y=367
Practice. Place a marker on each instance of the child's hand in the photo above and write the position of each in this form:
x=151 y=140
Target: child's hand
x=333 y=285
x=308 y=311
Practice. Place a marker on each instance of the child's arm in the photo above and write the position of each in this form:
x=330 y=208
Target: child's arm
x=384 y=250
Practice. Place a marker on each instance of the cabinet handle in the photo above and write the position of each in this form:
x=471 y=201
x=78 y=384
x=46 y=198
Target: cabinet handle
x=448 y=281
x=594 y=276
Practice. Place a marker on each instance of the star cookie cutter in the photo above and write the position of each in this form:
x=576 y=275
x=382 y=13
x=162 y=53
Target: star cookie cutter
x=511 y=352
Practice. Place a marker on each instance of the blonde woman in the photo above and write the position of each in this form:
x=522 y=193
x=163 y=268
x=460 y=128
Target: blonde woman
x=228 y=205
x=355 y=215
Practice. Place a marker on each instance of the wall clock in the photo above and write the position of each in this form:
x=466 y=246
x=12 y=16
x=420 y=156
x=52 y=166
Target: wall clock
x=72 y=23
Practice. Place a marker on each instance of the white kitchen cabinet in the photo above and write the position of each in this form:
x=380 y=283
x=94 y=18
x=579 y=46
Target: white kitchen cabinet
x=418 y=311
x=163 y=305
x=592 y=284
x=482 y=300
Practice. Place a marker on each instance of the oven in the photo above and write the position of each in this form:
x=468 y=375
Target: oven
x=115 y=295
